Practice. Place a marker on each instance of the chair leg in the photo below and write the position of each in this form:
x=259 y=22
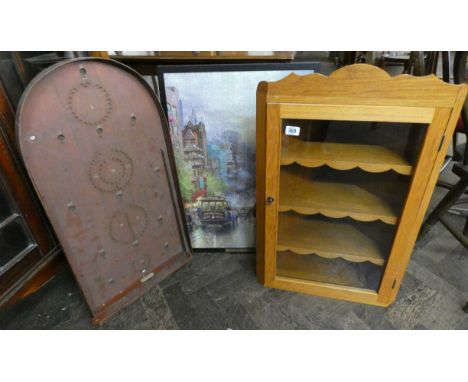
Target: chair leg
x=447 y=202
x=455 y=155
x=465 y=228
x=446 y=66
x=455 y=231
x=465 y=308
x=465 y=154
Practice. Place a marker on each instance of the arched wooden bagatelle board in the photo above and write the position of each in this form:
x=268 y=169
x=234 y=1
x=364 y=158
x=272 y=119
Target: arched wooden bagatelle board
x=94 y=141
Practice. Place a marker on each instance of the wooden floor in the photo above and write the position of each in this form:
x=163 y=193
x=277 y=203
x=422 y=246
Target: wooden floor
x=220 y=291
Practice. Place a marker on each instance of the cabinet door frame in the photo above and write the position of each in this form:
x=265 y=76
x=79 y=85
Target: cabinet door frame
x=406 y=232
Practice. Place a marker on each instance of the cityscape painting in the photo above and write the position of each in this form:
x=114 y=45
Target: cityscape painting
x=211 y=115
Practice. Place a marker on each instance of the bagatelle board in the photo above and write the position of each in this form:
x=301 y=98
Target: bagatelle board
x=94 y=141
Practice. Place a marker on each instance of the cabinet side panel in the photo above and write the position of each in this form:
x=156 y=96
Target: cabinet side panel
x=421 y=188
x=426 y=198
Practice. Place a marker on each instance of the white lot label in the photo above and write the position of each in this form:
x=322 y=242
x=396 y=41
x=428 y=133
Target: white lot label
x=293 y=130
x=147 y=277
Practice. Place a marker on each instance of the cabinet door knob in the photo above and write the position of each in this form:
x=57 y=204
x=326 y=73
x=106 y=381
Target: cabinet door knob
x=269 y=200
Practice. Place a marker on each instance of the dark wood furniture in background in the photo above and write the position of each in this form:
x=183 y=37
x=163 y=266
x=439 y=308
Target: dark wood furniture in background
x=30 y=254
x=197 y=55
x=27 y=246
x=147 y=65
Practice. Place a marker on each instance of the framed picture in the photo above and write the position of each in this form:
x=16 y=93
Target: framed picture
x=211 y=115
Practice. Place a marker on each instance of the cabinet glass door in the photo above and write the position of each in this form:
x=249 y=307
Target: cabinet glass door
x=15 y=239
x=342 y=188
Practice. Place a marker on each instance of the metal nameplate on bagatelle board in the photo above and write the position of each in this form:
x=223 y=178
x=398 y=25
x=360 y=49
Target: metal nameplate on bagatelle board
x=93 y=138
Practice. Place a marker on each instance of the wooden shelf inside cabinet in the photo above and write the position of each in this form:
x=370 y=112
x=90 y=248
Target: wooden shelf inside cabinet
x=349 y=240
x=335 y=271
x=353 y=194
x=343 y=156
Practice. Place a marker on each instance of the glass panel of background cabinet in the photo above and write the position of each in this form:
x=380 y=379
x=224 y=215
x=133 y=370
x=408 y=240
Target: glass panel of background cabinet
x=15 y=239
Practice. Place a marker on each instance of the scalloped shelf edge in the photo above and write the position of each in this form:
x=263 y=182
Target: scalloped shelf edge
x=339 y=215
x=346 y=166
x=330 y=255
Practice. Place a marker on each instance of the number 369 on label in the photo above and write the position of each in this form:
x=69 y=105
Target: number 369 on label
x=293 y=130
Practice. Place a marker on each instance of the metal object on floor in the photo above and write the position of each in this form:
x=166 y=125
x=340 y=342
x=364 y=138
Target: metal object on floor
x=91 y=132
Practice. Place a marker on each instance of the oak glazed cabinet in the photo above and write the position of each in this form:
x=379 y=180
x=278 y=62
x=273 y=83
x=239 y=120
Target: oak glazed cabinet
x=346 y=166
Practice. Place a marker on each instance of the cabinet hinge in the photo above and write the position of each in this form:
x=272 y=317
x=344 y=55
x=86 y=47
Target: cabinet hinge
x=441 y=142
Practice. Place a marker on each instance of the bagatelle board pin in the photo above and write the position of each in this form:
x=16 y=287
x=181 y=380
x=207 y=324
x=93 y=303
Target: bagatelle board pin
x=94 y=140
